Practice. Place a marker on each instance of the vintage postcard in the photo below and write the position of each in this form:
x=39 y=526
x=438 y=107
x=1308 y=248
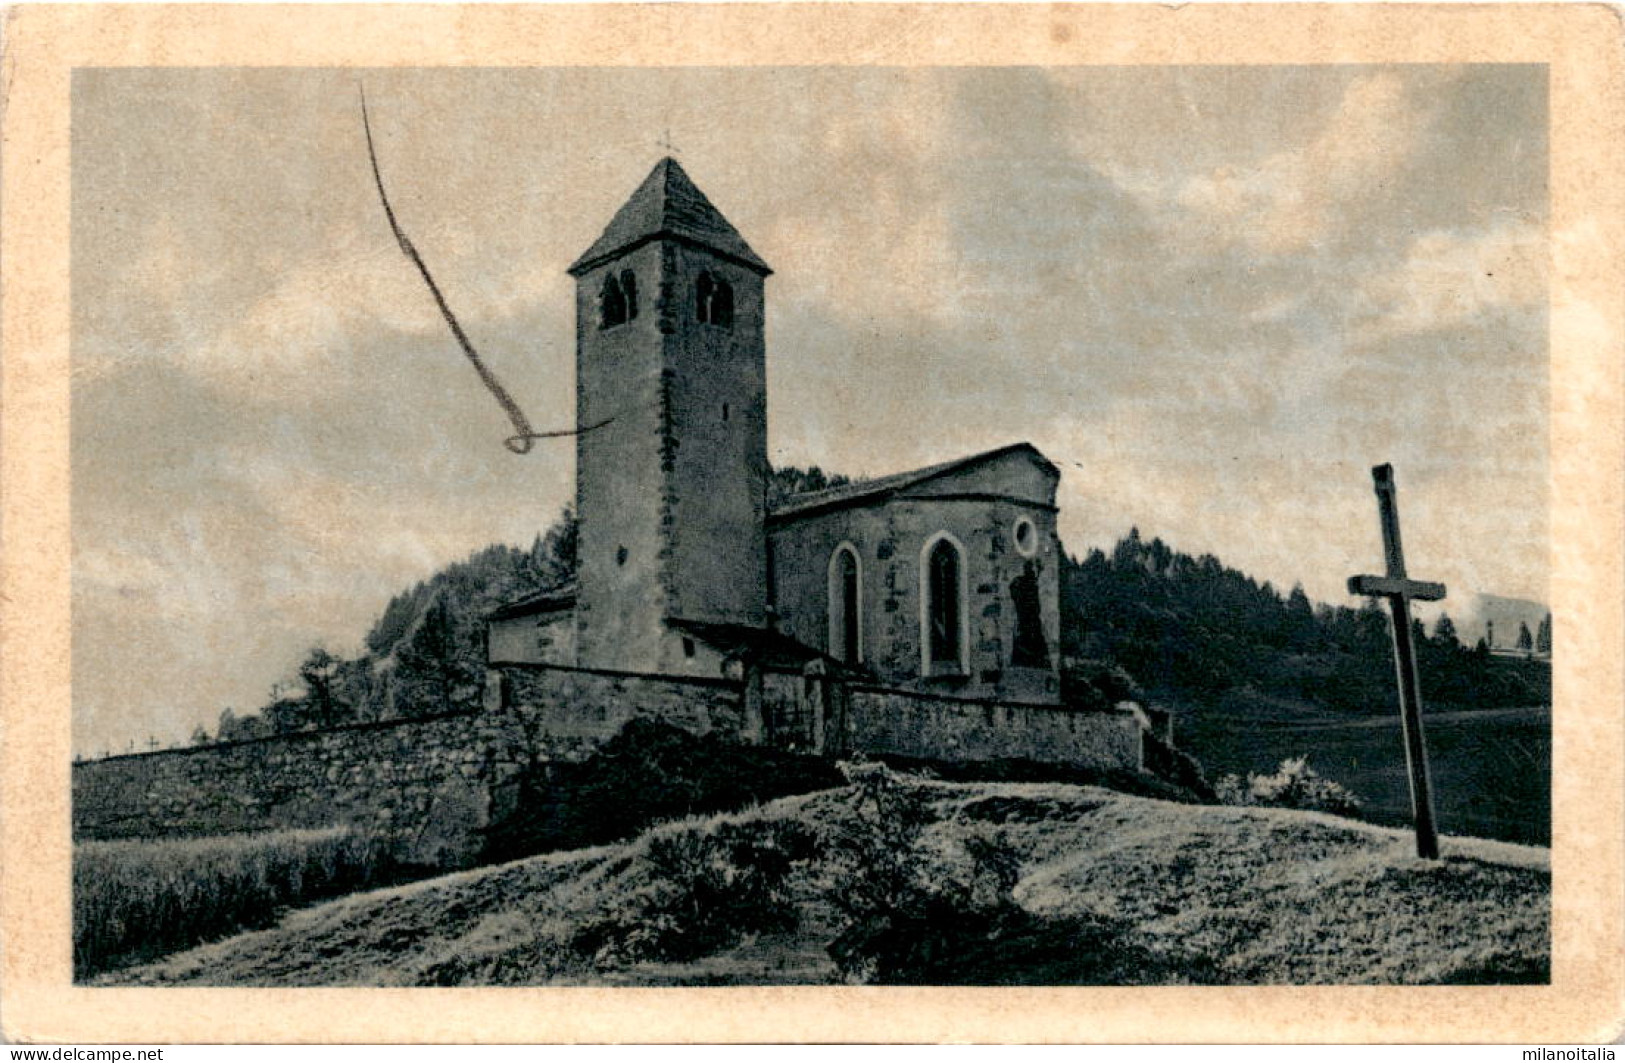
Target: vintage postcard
x=812 y=523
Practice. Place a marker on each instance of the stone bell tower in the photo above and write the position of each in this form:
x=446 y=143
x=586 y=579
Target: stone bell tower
x=670 y=489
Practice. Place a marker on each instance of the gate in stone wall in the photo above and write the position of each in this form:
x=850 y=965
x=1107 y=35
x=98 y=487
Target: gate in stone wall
x=806 y=710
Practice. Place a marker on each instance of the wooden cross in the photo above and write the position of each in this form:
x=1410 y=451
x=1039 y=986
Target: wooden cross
x=1399 y=590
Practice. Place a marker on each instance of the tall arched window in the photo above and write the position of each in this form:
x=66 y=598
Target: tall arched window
x=611 y=303
x=713 y=300
x=942 y=607
x=845 y=605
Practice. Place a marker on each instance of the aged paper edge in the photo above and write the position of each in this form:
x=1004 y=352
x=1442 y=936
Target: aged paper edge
x=1581 y=44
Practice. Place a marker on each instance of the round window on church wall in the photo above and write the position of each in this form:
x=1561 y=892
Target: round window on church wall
x=1026 y=537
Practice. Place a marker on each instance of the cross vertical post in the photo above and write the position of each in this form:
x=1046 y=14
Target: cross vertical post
x=1399 y=589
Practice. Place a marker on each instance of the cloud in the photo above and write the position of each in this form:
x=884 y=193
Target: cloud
x=1374 y=131
x=894 y=159
x=1294 y=198
x=1450 y=279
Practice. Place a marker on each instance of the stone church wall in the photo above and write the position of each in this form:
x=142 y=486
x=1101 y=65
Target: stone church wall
x=889 y=538
x=621 y=388
x=588 y=706
x=716 y=447
x=546 y=638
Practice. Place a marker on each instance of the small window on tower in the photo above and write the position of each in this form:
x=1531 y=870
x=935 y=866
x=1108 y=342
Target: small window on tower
x=629 y=292
x=611 y=303
x=713 y=300
x=722 y=308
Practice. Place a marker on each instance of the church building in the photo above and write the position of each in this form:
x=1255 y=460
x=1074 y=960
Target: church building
x=941 y=580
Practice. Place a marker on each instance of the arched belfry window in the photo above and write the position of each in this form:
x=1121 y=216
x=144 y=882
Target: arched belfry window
x=612 y=301
x=713 y=300
x=846 y=605
x=942 y=607
x=629 y=292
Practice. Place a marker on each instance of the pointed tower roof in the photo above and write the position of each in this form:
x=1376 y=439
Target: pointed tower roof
x=667 y=204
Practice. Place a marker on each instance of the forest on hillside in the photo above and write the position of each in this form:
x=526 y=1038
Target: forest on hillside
x=1187 y=629
x=1191 y=629
x=425 y=654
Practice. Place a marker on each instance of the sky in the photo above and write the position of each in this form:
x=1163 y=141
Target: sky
x=1214 y=296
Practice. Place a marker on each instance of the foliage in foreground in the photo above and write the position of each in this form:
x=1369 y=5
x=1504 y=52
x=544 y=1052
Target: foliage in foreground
x=136 y=899
x=1294 y=785
x=706 y=888
x=650 y=771
x=908 y=896
x=1112 y=890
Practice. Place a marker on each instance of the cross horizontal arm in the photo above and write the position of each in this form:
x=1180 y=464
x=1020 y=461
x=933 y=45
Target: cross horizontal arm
x=1388 y=586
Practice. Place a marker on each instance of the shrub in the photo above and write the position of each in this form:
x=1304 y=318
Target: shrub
x=1294 y=785
x=1097 y=685
x=648 y=772
x=908 y=897
x=706 y=888
x=135 y=900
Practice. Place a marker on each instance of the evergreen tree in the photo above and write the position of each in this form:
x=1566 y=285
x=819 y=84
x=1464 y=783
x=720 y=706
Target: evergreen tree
x=782 y=482
x=200 y=737
x=1191 y=629
x=319 y=672
x=554 y=555
x=1526 y=641
x=1543 y=636
x=1300 y=618
x=427 y=663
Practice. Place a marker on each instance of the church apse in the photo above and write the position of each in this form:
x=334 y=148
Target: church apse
x=957 y=575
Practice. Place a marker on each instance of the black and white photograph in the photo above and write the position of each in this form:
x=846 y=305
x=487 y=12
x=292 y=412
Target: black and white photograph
x=813 y=525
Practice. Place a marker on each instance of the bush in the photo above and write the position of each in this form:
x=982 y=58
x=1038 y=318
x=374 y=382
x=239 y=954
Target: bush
x=908 y=897
x=648 y=772
x=1097 y=685
x=707 y=887
x=1294 y=785
x=135 y=900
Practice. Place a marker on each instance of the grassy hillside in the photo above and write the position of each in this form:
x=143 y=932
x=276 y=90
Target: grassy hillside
x=1071 y=885
x=135 y=899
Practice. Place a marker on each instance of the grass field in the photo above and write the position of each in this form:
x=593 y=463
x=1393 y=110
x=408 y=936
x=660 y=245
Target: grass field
x=1491 y=768
x=136 y=899
x=1112 y=889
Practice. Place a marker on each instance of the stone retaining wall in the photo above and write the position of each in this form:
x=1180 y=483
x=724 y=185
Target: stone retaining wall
x=939 y=727
x=430 y=785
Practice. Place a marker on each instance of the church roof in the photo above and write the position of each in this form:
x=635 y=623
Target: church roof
x=862 y=491
x=667 y=204
x=556 y=600
x=765 y=646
